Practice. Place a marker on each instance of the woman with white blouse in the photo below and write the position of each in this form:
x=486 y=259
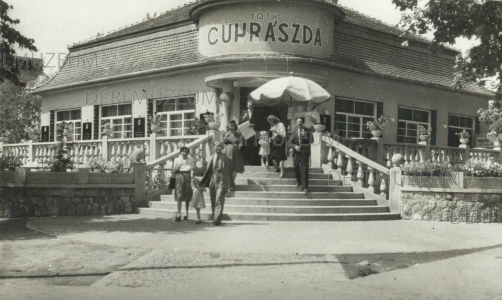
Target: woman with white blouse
x=183 y=168
x=278 y=145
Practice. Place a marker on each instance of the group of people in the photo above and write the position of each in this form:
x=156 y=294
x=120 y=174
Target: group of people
x=228 y=161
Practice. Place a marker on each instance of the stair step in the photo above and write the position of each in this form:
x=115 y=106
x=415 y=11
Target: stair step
x=206 y=215
x=284 y=181
x=229 y=208
x=276 y=175
x=285 y=195
x=286 y=202
x=289 y=188
x=253 y=169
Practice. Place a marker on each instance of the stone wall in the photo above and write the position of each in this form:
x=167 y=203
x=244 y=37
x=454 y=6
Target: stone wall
x=460 y=205
x=18 y=202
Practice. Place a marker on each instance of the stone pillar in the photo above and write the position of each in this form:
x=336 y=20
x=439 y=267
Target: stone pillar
x=140 y=183
x=104 y=148
x=226 y=99
x=395 y=182
x=318 y=151
x=467 y=152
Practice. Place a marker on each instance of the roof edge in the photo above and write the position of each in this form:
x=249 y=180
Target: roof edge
x=241 y=59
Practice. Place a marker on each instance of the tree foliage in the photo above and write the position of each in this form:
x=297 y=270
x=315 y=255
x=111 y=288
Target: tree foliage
x=448 y=20
x=10 y=64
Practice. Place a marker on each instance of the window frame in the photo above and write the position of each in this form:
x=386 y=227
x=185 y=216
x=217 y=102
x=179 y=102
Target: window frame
x=470 y=130
x=354 y=115
x=123 y=117
x=165 y=125
x=418 y=123
x=56 y=122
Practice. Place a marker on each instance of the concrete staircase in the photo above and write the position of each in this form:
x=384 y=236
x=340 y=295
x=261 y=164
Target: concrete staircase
x=262 y=196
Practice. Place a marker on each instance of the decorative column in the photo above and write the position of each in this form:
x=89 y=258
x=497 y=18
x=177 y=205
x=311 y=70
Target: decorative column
x=226 y=99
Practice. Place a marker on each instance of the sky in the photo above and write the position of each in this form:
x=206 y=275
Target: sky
x=54 y=24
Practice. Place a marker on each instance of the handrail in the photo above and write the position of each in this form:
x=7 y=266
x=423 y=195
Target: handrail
x=403 y=145
x=176 y=153
x=355 y=155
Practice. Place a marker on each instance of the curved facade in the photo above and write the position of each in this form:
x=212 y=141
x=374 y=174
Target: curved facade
x=181 y=62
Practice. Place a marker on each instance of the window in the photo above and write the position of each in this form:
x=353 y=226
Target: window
x=175 y=113
x=409 y=120
x=351 y=117
x=120 y=118
x=71 y=116
x=456 y=124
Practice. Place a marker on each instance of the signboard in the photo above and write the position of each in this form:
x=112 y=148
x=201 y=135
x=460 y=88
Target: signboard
x=267 y=27
x=87 y=131
x=139 y=127
x=481 y=141
x=45 y=134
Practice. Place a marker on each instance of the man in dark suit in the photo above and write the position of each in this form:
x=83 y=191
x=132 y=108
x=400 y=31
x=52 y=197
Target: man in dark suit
x=251 y=148
x=218 y=177
x=300 y=143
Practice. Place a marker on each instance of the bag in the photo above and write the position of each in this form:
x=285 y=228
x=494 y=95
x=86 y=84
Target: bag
x=172 y=182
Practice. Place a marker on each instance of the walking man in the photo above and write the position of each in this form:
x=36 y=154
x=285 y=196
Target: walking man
x=251 y=147
x=301 y=153
x=218 y=177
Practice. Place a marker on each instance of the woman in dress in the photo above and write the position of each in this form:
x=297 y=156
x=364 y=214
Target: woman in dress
x=183 y=168
x=233 y=141
x=278 y=145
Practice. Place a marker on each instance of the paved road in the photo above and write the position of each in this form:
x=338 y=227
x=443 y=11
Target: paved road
x=275 y=260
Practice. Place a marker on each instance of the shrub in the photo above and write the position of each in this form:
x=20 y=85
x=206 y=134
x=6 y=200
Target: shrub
x=428 y=168
x=100 y=165
x=482 y=169
x=9 y=163
x=196 y=127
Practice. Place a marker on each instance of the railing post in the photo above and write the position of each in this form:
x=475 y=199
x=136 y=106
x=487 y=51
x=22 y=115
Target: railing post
x=153 y=146
x=380 y=151
x=467 y=152
x=318 y=151
x=395 y=181
x=140 y=184
x=104 y=147
x=31 y=155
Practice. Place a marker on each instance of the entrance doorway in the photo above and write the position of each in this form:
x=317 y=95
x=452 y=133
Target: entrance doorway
x=262 y=111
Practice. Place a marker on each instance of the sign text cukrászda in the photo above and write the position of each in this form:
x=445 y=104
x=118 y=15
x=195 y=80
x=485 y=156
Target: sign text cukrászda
x=272 y=32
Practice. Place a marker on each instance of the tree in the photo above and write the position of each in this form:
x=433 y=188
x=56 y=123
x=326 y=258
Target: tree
x=11 y=64
x=448 y=20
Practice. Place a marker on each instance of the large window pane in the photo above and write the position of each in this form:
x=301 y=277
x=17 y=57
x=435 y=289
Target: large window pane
x=166 y=105
x=186 y=103
x=454 y=120
x=466 y=122
x=405 y=114
x=124 y=110
x=364 y=108
x=75 y=114
x=109 y=111
x=63 y=115
x=346 y=106
x=421 y=116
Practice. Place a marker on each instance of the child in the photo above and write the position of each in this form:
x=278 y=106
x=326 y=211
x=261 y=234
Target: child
x=265 y=148
x=197 y=198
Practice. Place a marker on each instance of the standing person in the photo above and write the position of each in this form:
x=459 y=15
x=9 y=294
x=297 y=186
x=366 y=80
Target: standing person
x=250 y=149
x=233 y=140
x=264 y=148
x=183 y=167
x=197 y=198
x=301 y=153
x=218 y=177
x=278 y=145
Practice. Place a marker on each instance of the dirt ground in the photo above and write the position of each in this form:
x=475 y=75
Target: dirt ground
x=29 y=256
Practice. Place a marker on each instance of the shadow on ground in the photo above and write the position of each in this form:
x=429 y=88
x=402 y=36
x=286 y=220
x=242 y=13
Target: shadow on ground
x=71 y=225
x=15 y=230
x=361 y=265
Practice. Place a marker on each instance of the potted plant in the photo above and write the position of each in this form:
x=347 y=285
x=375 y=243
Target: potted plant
x=495 y=132
x=213 y=121
x=316 y=119
x=107 y=129
x=155 y=123
x=4 y=136
x=376 y=126
x=424 y=133
x=464 y=136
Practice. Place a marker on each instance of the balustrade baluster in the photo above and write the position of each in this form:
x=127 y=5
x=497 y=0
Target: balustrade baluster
x=162 y=175
x=350 y=168
x=371 y=180
x=383 y=184
x=360 y=174
x=388 y=156
x=147 y=150
x=330 y=154
x=150 y=179
x=340 y=162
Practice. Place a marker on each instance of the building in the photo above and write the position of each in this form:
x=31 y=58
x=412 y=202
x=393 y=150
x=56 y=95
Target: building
x=180 y=62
